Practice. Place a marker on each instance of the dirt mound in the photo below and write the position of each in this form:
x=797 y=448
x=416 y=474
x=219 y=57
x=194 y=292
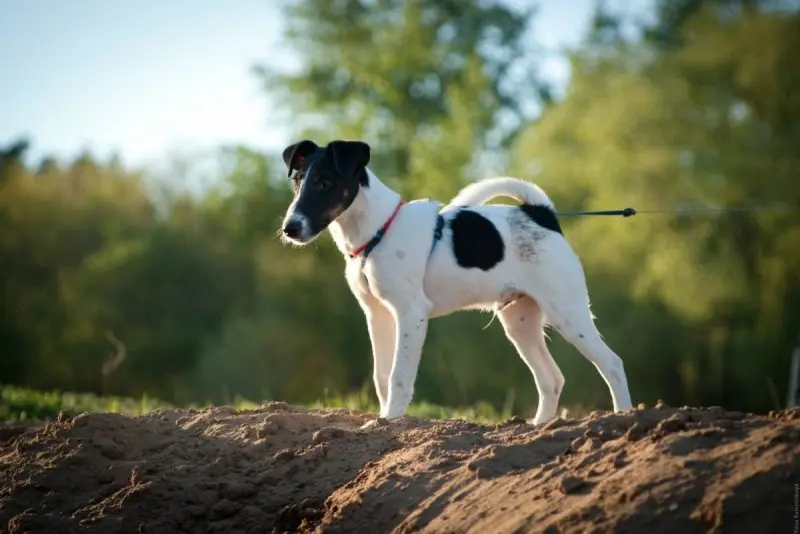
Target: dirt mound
x=282 y=468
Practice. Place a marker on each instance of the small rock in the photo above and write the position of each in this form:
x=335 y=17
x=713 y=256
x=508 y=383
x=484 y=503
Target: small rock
x=515 y=420
x=9 y=434
x=311 y=513
x=675 y=423
x=196 y=510
x=276 y=406
x=107 y=447
x=268 y=480
x=104 y=477
x=289 y=518
x=635 y=432
x=81 y=420
x=483 y=473
x=326 y=434
x=224 y=509
x=266 y=428
x=570 y=484
x=254 y=514
x=641 y=407
x=606 y=435
x=283 y=455
x=672 y=506
x=556 y=422
x=311 y=502
x=292 y=469
x=660 y=405
x=207 y=498
x=237 y=490
x=592 y=444
x=278 y=420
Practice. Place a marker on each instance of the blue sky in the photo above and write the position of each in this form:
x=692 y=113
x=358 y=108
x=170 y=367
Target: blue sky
x=147 y=77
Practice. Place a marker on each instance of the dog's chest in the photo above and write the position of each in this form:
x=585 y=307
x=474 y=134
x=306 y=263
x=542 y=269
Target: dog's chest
x=357 y=279
x=362 y=283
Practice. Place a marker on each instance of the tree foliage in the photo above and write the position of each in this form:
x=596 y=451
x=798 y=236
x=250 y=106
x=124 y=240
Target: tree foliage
x=433 y=84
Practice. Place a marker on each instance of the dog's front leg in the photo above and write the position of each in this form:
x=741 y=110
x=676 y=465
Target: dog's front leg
x=411 y=318
x=381 y=327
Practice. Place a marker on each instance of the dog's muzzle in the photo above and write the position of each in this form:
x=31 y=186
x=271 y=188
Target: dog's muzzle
x=293 y=229
x=297 y=228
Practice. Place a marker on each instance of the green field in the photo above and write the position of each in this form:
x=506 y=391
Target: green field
x=22 y=404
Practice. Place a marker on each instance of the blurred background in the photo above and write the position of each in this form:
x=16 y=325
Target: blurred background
x=141 y=189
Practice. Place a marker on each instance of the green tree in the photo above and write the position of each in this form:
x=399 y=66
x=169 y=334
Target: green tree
x=434 y=85
x=709 y=120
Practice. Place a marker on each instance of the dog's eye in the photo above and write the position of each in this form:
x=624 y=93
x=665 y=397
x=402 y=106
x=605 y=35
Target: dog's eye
x=322 y=183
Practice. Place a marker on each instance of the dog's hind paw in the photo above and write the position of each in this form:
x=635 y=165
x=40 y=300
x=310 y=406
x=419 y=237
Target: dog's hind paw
x=374 y=423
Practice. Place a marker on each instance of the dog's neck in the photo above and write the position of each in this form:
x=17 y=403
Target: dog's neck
x=370 y=210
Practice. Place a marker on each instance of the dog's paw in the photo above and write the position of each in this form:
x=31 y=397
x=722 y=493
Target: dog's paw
x=375 y=423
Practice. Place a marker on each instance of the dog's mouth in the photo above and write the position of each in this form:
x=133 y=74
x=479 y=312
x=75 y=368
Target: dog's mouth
x=298 y=241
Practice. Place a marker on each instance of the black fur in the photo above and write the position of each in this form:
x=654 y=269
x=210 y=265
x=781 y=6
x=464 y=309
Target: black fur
x=476 y=241
x=544 y=216
x=326 y=179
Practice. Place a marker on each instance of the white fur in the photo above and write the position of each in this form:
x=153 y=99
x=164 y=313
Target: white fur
x=400 y=287
x=485 y=190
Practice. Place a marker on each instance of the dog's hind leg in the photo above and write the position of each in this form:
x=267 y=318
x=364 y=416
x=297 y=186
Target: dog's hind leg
x=558 y=284
x=523 y=323
x=573 y=320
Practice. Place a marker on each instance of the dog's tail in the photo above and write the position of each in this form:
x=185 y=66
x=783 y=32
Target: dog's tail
x=485 y=190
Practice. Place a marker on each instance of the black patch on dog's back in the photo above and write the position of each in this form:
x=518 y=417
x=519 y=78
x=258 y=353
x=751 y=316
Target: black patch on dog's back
x=476 y=241
x=544 y=216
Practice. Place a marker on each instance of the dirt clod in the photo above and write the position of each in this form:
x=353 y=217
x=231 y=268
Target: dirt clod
x=281 y=468
x=570 y=484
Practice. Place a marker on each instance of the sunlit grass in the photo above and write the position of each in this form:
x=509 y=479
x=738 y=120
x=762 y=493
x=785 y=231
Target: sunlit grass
x=23 y=404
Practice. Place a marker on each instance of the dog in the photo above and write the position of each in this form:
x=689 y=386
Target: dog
x=409 y=262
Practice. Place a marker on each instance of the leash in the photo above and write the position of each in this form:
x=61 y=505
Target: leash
x=365 y=249
x=629 y=212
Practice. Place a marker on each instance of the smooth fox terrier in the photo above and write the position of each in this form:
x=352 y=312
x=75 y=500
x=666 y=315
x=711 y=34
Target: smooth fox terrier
x=408 y=262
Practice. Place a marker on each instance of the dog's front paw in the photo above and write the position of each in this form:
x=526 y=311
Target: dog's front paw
x=374 y=423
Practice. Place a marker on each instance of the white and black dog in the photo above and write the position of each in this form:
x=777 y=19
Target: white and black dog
x=409 y=262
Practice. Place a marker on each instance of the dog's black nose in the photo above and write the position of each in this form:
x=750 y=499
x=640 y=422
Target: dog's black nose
x=292 y=228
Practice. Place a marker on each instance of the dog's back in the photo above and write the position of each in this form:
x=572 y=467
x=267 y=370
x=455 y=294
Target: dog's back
x=488 y=252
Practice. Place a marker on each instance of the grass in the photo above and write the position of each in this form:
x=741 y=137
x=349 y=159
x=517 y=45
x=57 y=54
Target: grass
x=23 y=404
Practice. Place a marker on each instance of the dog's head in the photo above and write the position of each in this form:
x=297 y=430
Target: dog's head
x=325 y=181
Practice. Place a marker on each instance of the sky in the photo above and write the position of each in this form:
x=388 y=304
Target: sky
x=147 y=77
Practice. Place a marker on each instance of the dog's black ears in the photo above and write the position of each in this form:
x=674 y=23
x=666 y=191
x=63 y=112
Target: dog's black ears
x=349 y=156
x=294 y=155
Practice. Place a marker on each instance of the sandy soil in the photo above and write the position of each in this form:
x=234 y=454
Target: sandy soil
x=286 y=469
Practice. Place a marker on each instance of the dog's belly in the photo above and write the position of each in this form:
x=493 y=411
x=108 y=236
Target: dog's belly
x=452 y=292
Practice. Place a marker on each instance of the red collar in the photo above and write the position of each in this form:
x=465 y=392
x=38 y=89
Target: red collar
x=367 y=247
